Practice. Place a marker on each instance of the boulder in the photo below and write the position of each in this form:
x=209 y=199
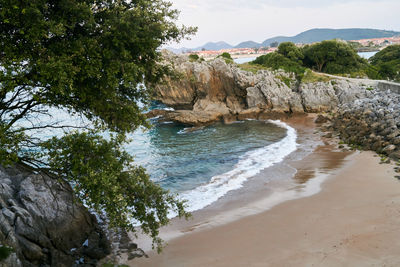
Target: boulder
x=43 y=222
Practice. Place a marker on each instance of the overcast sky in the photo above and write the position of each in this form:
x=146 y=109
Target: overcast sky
x=235 y=21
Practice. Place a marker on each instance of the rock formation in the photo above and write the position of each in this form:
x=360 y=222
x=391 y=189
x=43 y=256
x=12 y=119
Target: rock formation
x=204 y=92
x=44 y=224
x=373 y=123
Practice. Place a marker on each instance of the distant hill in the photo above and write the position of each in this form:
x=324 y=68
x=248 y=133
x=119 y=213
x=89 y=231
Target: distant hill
x=214 y=46
x=248 y=44
x=310 y=36
x=317 y=35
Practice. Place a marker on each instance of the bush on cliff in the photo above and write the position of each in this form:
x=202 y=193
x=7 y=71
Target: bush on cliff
x=227 y=57
x=387 y=63
x=278 y=61
x=88 y=58
x=193 y=57
x=333 y=57
x=291 y=51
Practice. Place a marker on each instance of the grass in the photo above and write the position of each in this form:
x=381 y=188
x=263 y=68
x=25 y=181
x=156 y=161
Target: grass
x=254 y=68
x=312 y=77
x=285 y=80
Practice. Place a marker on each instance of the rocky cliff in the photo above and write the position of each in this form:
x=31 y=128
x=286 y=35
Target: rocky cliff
x=204 y=92
x=44 y=224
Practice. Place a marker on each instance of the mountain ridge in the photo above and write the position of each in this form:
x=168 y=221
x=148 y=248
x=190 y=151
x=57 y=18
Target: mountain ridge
x=309 y=36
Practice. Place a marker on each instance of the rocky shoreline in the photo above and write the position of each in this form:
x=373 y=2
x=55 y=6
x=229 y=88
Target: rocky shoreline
x=203 y=92
x=372 y=123
x=46 y=226
x=364 y=112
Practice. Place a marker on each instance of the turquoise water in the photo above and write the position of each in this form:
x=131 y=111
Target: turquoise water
x=201 y=164
x=204 y=164
x=181 y=159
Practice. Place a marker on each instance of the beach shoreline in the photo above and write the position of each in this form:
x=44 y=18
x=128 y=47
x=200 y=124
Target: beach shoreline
x=237 y=241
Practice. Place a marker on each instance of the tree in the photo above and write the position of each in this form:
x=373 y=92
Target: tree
x=89 y=58
x=333 y=57
x=387 y=62
x=278 y=61
x=291 y=51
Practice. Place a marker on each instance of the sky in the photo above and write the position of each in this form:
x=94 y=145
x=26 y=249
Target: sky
x=235 y=21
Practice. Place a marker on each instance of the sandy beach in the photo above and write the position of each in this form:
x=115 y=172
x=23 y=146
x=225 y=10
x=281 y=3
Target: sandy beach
x=352 y=221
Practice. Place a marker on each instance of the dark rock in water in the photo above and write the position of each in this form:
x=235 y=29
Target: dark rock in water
x=321 y=119
x=156 y=112
x=44 y=224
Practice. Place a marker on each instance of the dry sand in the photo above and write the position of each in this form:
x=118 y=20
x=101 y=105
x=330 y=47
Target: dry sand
x=353 y=221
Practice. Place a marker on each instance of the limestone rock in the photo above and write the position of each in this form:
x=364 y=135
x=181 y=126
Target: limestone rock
x=213 y=90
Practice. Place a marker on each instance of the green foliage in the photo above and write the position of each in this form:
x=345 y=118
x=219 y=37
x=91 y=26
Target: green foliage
x=312 y=77
x=278 y=61
x=286 y=80
x=254 y=68
x=193 y=57
x=332 y=57
x=328 y=56
x=291 y=51
x=386 y=63
x=225 y=55
x=5 y=252
x=89 y=58
x=106 y=180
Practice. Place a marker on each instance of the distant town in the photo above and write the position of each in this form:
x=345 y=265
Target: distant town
x=362 y=45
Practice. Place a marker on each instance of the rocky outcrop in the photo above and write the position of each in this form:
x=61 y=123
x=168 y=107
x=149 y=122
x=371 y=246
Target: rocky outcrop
x=204 y=92
x=44 y=224
x=373 y=123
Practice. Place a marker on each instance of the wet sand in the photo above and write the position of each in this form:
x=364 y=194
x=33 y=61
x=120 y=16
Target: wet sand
x=353 y=221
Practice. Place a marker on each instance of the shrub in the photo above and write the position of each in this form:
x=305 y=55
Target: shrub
x=333 y=57
x=193 y=57
x=386 y=63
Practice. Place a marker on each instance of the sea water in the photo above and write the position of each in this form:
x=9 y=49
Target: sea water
x=200 y=164
x=203 y=164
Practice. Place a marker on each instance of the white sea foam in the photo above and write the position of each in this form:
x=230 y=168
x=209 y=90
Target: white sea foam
x=248 y=166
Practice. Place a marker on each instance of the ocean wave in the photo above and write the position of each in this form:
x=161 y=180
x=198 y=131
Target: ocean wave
x=250 y=164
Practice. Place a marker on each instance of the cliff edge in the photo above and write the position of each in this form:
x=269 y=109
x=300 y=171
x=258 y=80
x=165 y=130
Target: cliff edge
x=207 y=91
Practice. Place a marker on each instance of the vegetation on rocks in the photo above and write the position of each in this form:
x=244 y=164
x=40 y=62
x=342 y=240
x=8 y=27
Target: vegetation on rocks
x=193 y=57
x=277 y=61
x=227 y=57
x=332 y=57
x=386 y=63
x=89 y=58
